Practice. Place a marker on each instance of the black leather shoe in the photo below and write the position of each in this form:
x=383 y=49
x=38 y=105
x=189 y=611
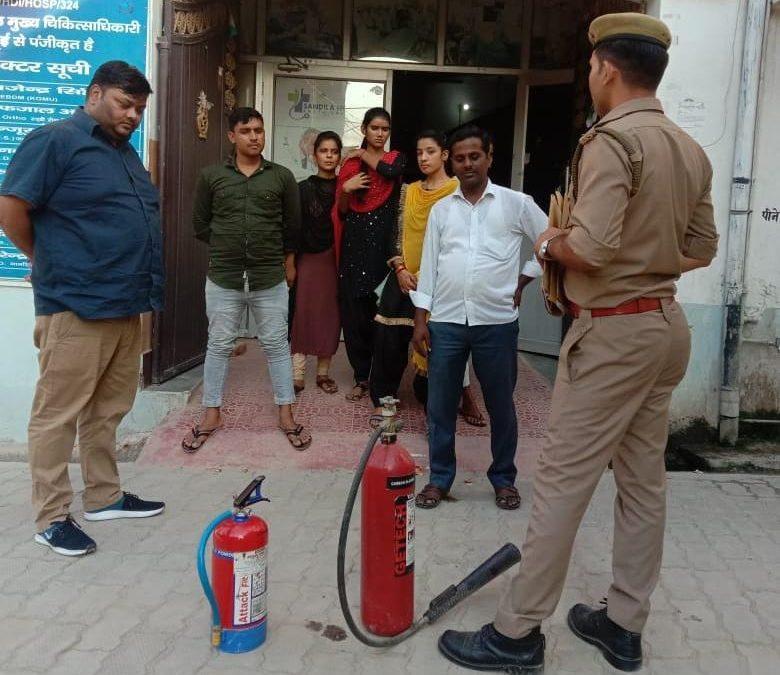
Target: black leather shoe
x=487 y=649
x=621 y=647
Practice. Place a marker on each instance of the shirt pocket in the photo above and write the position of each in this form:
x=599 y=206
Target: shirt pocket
x=268 y=204
x=498 y=243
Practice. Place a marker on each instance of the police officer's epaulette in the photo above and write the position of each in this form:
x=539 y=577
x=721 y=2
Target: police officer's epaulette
x=588 y=136
x=634 y=156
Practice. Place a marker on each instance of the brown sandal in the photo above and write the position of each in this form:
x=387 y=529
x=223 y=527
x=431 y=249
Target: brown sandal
x=294 y=437
x=327 y=384
x=359 y=391
x=474 y=420
x=196 y=443
x=430 y=497
x=299 y=386
x=508 y=498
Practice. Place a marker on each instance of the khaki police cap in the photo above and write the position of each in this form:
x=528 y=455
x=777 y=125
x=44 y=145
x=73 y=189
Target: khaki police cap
x=629 y=26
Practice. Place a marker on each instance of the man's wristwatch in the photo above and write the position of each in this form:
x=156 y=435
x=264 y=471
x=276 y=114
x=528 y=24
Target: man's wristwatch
x=543 y=249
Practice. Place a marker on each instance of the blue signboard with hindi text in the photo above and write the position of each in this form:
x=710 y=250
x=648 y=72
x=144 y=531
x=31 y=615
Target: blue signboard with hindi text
x=49 y=50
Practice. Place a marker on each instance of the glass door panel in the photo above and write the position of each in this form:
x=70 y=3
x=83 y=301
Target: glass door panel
x=304 y=106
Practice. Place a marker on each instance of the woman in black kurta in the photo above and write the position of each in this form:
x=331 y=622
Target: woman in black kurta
x=316 y=325
x=367 y=200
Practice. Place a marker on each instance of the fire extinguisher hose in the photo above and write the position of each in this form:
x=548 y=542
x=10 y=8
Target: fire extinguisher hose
x=216 y=625
x=494 y=566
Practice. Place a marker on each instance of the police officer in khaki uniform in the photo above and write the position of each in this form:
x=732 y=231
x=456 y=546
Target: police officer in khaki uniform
x=641 y=216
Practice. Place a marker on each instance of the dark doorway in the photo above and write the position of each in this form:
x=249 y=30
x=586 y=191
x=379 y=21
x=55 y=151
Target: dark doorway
x=549 y=140
x=446 y=101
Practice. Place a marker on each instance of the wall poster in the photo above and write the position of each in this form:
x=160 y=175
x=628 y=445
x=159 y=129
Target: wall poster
x=305 y=28
x=303 y=107
x=49 y=50
x=484 y=33
x=394 y=30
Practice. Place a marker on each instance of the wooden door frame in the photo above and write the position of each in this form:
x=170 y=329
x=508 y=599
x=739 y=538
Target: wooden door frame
x=184 y=23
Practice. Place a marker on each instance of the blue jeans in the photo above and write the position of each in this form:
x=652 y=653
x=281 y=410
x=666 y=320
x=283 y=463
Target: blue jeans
x=225 y=308
x=494 y=354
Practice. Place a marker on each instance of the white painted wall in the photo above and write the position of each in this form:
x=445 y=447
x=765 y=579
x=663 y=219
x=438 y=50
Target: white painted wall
x=699 y=92
x=18 y=360
x=760 y=353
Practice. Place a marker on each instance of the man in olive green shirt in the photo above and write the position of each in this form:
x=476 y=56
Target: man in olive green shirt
x=248 y=211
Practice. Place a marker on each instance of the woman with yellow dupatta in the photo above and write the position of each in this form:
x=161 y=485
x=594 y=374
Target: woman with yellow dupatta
x=395 y=314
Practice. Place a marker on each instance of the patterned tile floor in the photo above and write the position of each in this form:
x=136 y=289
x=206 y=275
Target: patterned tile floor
x=250 y=437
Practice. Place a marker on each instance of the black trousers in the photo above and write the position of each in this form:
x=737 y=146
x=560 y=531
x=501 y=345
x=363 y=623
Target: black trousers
x=357 y=322
x=391 y=356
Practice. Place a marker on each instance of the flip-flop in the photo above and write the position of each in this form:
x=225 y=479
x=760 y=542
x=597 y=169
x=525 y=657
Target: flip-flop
x=197 y=434
x=294 y=435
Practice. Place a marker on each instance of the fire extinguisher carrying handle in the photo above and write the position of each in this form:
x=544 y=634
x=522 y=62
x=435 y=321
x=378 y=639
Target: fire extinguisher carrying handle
x=250 y=494
x=493 y=567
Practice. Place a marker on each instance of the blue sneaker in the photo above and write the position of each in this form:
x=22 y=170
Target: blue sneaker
x=130 y=506
x=66 y=538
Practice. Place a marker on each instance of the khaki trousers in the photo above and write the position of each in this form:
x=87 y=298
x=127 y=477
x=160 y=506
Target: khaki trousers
x=611 y=402
x=88 y=380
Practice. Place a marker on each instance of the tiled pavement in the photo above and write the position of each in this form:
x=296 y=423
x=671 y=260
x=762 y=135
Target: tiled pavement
x=135 y=606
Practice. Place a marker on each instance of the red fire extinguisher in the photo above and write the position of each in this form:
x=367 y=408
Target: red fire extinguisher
x=238 y=592
x=386 y=472
x=387 y=527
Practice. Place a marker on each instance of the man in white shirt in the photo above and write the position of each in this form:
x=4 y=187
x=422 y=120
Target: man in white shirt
x=468 y=290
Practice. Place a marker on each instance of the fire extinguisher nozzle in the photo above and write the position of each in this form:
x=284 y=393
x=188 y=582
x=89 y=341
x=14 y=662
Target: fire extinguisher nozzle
x=494 y=566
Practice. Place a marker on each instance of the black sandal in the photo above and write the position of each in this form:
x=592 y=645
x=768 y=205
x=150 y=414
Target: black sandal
x=508 y=498
x=196 y=443
x=294 y=437
x=430 y=497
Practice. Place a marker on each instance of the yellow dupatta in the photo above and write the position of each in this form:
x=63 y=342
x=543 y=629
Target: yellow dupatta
x=416 y=207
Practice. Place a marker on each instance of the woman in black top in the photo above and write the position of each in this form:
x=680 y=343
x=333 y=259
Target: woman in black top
x=316 y=325
x=367 y=200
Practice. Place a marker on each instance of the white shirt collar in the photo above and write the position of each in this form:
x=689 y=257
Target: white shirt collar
x=490 y=189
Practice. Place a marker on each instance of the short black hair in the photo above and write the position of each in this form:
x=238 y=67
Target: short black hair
x=437 y=136
x=641 y=63
x=242 y=115
x=327 y=136
x=373 y=113
x=471 y=131
x=121 y=75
